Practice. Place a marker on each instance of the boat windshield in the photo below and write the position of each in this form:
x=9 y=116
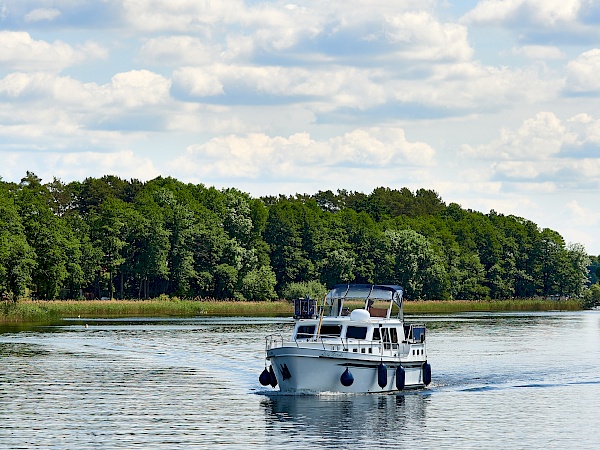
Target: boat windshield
x=367 y=292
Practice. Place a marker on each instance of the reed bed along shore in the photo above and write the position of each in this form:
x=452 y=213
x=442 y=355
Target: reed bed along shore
x=515 y=305
x=39 y=310
x=48 y=311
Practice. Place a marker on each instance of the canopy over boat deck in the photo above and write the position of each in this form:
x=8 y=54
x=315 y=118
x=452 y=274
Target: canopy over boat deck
x=372 y=294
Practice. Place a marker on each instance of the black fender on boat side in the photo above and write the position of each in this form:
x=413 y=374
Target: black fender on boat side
x=426 y=373
x=400 y=378
x=346 y=378
x=382 y=375
x=273 y=378
x=265 y=377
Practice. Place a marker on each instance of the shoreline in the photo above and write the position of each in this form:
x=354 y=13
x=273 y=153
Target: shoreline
x=31 y=311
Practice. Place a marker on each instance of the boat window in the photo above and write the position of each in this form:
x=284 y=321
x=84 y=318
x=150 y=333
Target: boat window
x=385 y=336
x=376 y=335
x=390 y=338
x=419 y=334
x=353 y=332
x=393 y=335
x=331 y=330
x=305 y=331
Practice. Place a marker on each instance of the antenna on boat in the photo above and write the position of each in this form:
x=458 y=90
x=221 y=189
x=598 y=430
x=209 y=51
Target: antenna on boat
x=368 y=298
x=321 y=314
x=400 y=304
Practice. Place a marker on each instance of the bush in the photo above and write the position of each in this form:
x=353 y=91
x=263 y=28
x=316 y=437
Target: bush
x=314 y=289
x=259 y=284
x=591 y=296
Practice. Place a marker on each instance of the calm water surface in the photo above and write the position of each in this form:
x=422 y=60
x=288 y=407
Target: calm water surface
x=499 y=381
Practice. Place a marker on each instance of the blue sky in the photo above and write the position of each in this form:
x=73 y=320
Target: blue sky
x=493 y=104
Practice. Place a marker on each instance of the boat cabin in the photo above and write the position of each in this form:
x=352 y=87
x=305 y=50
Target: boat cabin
x=389 y=334
x=375 y=327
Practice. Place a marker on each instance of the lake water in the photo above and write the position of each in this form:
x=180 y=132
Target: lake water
x=499 y=381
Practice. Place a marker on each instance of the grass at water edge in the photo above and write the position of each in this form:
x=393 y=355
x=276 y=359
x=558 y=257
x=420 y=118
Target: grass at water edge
x=47 y=311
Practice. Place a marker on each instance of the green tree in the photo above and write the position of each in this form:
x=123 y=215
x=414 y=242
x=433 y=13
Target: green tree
x=259 y=284
x=416 y=267
x=366 y=242
x=467 y=277
x=226 y=278
x=47 y=235
x=109 y=232
x=283 y=234
x=17 y=259
x=93 y=191
x=591 y=296
x=181 y=225
x=575 y=275
x=553 y=263
x=87 y=256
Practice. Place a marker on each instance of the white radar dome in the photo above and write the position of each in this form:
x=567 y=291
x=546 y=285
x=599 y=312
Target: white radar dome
x=359 y=314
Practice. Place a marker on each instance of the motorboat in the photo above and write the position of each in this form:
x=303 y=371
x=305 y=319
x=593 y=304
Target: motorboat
x=335 y=348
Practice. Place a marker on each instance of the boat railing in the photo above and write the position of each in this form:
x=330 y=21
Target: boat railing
x=413 y=334
x=364 y=346
x=331 y=340
x=273 y=341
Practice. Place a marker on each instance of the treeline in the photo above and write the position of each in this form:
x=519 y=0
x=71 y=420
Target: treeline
x=115 y=238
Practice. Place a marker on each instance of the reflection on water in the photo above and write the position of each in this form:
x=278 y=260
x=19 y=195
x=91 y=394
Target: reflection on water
x=499 y=381
x=357 y=421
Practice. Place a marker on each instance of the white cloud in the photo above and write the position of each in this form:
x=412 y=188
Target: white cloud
x=407 y=29
x=472 y=85
x=177 y=50
x=536 y=139
x=542 y=137
x=540 y=12
x=585 y=129
x=44 y=111
x=582 y=73
x=197 y=82
x=29 y=87
x=545 y=150
x=256 y=154
x=182 y=15
x=137 y=88
x=238 y=47
x=540 y=22
x=539 y=52
x=454 y=86
x=341 y=86
x=19 y=51
x=42 y=14
x=580 y=215
x=131 y=89
x=125 y=164
x=426 y=38
x=79 y=165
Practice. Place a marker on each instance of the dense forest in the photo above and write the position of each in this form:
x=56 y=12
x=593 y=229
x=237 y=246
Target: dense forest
x=113 y=238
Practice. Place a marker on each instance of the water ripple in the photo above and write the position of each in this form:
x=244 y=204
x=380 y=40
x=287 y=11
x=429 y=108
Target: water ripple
x=500 y=381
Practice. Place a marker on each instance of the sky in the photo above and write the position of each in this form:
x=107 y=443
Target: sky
x=494 y=104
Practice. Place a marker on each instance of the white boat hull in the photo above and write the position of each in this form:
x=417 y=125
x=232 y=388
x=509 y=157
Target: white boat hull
x=309 y=370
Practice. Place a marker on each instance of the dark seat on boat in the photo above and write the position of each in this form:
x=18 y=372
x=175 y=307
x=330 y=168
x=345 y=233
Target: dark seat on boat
x=378 y=312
